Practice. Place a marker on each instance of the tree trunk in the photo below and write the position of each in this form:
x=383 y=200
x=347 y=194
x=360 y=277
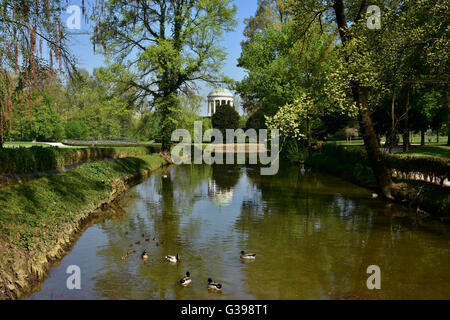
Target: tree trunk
x=392 y=137
x=448 y=134
x=437 y=136
x=2 y=132
x=422 y=137
x=376 y=159
x=374 y=153
x=406 y=125
x=308 y=133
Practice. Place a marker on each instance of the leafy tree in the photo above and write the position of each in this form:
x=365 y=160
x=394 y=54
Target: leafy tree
x=167 y=44
x=28 y=28
x=75 y=129
x=226 y=117
x=365 y=58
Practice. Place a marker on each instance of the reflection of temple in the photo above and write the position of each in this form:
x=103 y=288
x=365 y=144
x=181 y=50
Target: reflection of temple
x=221 y=197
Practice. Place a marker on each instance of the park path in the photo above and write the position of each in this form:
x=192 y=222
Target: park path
x=55 y=144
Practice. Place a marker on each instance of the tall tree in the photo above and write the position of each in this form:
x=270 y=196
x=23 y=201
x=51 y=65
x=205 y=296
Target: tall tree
x=29 y=28
x=364 y=55
x=169 y=45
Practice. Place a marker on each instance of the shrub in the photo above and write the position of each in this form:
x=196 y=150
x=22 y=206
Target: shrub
x=226 y=117
x=40 y=159
x=436 y=169
x=75 y=129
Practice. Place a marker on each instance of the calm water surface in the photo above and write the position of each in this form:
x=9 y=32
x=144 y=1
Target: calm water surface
x=314 y=235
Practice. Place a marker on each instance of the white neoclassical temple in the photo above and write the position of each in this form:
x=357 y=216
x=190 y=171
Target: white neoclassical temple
x=218 y=97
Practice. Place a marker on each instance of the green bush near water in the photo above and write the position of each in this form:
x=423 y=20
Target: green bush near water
x=435 y=168
x=40 y=159
x=356 y=161
x=352 y=163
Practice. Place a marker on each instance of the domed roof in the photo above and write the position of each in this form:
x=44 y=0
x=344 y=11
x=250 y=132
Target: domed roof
x=221 y=92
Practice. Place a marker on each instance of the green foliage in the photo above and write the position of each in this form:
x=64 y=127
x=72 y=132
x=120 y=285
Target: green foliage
x=282 y=63
x=226 y=117
x=35 y=212
x=75 y=129
x=436 y=169
x=290 y=119
x=40 y=159
x=47 y=123
x=168 y=44
x=355 y=159
x=243 y=121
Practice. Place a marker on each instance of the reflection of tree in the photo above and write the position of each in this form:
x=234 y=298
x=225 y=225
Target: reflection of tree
x=226 y=176
x=221 y=186
x=155 y=209
x=316 y=235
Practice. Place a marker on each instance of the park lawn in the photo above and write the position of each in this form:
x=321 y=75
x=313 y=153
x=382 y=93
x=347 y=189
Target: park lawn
x=24 y=144
x=112 y=144
x=433 y=150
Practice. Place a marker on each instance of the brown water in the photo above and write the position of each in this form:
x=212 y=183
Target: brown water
x=314 y=235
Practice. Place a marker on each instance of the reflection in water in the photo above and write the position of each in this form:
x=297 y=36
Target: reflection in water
x=314 y=235
x=221 y=185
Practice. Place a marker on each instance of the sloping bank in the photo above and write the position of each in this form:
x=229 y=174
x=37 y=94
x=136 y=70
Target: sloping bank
x=40 y=218
x=352 y=164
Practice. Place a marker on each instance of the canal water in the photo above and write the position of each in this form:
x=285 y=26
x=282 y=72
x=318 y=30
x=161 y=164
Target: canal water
x=314 y=234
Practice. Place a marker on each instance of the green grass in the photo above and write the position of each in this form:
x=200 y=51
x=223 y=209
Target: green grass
x=23 y=144
x=435 y=151
x=37 y=214
x=357 y=142
x=45 y=204
x=41 y=159
x=102 y=144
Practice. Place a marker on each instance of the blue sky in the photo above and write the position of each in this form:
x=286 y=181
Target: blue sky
x=83 y=50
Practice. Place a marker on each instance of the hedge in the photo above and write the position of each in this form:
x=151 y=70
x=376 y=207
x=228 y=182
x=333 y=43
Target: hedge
x=40 y=159
x=436 y=169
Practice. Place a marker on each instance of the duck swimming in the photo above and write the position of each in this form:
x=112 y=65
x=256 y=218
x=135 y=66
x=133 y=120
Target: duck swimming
x=247 y=256
x=125 y=257
x=185 y=281
x=144 y=255
x=173 y=259
x=213 y=285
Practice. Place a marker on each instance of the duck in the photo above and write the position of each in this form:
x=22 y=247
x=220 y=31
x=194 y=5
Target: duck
x=213 y=285
x=173 y=259
x=125 y=257
x=144 y=255
x=185 y=281
x=247 y=256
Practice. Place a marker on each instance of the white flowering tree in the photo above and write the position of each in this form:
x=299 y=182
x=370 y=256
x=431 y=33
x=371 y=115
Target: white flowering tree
x=293 y=120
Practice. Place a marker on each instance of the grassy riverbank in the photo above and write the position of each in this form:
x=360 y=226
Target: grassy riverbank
x=40 y=159
x=38 y=218
x=351 y=164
